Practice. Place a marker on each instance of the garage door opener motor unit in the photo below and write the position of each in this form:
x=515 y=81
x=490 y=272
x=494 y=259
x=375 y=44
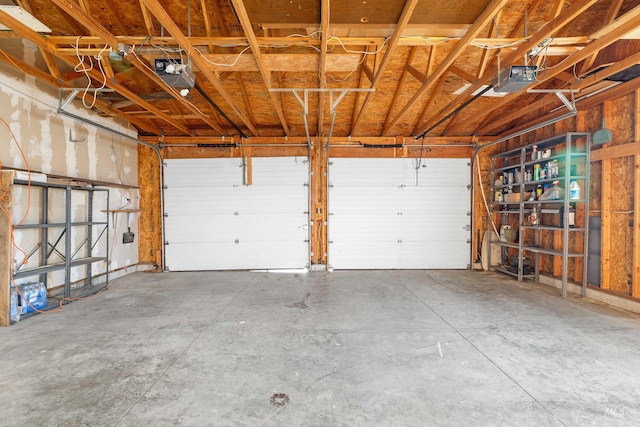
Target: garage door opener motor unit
x=174 y=73
x=514 y=78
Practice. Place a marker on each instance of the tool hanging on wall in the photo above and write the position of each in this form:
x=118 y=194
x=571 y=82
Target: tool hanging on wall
x=128 y=236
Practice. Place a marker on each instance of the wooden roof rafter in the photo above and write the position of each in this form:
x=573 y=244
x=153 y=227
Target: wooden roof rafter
x=40 y=41
x=245 y=22
x=483 y=20
x=148 y=18
x=56 y=82
x=609 y=34
x=405 y=17
x=165 y=20
x=403 y=78
x=85 y=20
x=322 y=72
x=46 y=56
x=611 y=16
x=551 y=28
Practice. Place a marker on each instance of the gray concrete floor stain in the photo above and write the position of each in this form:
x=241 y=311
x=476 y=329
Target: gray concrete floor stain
x=381 y=348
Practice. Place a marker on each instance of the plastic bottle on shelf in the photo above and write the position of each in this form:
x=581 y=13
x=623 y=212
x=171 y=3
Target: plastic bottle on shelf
x=536 y=172
x=556 y=190
x=534 y=152
x=574 y=190
x=555 y=168
x=539 y=191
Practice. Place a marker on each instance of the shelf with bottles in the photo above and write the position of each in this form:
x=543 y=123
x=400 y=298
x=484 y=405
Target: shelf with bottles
x=537 y=189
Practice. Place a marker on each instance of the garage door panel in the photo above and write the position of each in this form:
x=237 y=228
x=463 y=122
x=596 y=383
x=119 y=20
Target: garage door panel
x=201 y=228
x=225 y=225
x=261 y=255
x=387 y=214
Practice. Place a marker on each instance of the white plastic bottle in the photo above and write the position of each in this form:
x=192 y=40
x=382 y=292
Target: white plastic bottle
x=574 y=191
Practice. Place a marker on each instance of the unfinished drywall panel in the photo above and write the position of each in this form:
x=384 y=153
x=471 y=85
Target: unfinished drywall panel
x=39 y=139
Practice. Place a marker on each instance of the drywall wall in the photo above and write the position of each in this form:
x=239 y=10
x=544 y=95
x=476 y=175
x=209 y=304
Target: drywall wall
x=59 y=146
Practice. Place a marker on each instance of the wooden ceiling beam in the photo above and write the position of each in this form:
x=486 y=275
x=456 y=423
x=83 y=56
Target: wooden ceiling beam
x=158 y=11
x=521 y=23
x=56 y=82
x=607 y=72
x=465 y=75
x=551 y=28
x=42 y=42
x=30 y=69
x=376 y=42
x=48 y=57
x=407 y=12
x=88 y=22
x=148 y=18
x=485 y=17
x=322 y=72
x=609 y=35
x=406 y=71
x=246 y=24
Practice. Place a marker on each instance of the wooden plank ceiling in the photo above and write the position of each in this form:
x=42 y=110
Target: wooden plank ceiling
x=424 y=60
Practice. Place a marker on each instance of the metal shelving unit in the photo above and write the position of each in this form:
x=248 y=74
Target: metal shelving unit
x=61 y=245
x=570 y=152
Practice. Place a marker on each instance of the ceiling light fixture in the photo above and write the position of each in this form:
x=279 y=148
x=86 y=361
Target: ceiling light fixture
x=19 y=14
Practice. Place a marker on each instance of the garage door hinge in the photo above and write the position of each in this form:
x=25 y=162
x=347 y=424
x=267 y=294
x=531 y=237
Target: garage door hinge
x=306 y=240
x=399 y=240
x=466 y=227
x=330 y=241
x=330 y=185
x=400 y=213
x=166 y=215
x=164 y=164
x=468 y=213
x=468 y=186
x=236 y=213
x=236 y=241
x=165 y=187
x=306 y=184
x=468 y=240
x=166 y=243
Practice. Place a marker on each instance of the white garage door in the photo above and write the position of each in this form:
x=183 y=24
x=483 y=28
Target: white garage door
x=214 y=222
x=388 y=214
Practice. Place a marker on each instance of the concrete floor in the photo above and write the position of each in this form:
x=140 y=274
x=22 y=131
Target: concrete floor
x=391 y=348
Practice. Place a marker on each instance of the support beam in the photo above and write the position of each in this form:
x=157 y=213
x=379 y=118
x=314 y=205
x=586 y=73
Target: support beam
x=88 y=22
x=631 y=21
x=42 y=42
x=605 y=207
x=197 y=58
x=483 y=20
x=247 y=26
x=548 y=30
x=322 y=72
x=614 y=8
x=405 y=72
x=6 y=228
x=635 y=286
x=148 y=18
x=409 y=7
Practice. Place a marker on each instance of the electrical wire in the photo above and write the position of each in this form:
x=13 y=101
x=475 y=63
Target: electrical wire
x=220 y=64
x=82 y=67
